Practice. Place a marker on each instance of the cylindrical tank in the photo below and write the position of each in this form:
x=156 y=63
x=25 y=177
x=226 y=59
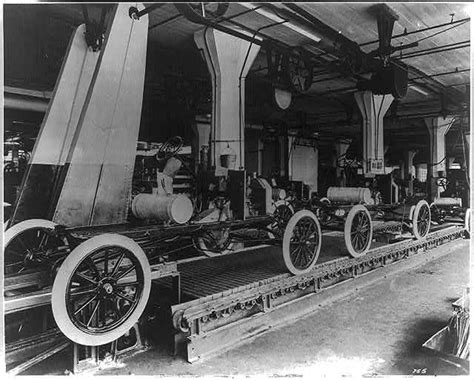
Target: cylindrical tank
x=278 y=194
x=349 y=195
x=228 y=158
x=447 y=201
x=177 y=208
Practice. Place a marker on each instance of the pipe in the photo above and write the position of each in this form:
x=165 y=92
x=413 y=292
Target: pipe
x=437 y=49
x=18 y=102
x=419 y=30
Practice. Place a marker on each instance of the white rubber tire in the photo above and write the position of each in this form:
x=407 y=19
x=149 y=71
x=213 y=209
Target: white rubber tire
x=287 y=238
x=347 y=230
x=58 y=300
x=23 y=226
x=416 y=214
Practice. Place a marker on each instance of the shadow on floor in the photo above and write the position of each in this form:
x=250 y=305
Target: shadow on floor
x=411 y=358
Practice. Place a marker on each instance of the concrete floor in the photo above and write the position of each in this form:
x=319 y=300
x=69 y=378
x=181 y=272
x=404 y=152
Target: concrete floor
x=377 y=330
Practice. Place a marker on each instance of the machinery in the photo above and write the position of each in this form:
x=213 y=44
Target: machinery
x=448 y=209
x=102 y=275
x=360 y=216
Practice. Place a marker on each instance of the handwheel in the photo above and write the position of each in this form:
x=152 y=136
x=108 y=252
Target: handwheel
x=301 y=242
x=101 y=289
x=358 y=231
x=421 y=219
x=28 y=244
x=169 y=148
x=282 y=214
x=442 y=182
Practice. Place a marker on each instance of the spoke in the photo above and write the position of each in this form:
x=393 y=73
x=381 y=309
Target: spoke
x=85 y=305
x=86 y=278
x=311 y=230
x=117 y=264
x=44 y=239
x=300 y=258
x=294 y=251
x=295 y=255
x=307 y=258
x=131 y=268
x=116 y=309
x=106 y=262
x=93 y=314
x=92 y=266
x=124 y=297
x=357 y=242
x=14 y=263
x=307 y=227
x=82 y=292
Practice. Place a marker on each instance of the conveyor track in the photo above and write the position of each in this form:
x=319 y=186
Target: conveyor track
x=227 y=315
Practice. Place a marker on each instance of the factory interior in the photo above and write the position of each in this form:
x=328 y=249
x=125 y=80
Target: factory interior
x=236 y=189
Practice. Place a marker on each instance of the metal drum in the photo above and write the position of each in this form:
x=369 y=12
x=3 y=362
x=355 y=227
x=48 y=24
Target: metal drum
x=176 y=208
x=447 y=201
x=350 y=195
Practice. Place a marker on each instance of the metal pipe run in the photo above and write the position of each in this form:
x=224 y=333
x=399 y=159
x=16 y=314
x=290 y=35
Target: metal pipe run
x=456 y=71
x=18 y=102
x=420 y=30
x=438 y=49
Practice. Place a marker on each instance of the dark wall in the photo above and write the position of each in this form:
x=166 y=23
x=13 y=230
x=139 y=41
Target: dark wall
x=34 y=46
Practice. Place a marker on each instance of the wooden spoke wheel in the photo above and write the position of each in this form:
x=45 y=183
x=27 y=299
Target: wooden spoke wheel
x=282 y=214
x=421 y=219
x=101 y=289
x=358 y=231
x=29 y=244
x=301 y=242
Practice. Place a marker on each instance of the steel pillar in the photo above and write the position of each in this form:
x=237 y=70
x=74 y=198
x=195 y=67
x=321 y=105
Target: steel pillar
x=98 y=181
x=228 y=59
x=42 y=180
x=373 y=109
x=437 y=129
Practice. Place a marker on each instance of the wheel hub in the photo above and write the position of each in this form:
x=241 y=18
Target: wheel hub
x=106 y=287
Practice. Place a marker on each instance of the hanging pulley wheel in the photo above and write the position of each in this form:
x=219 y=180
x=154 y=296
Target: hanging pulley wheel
x=300 y=71
x=201 y=13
